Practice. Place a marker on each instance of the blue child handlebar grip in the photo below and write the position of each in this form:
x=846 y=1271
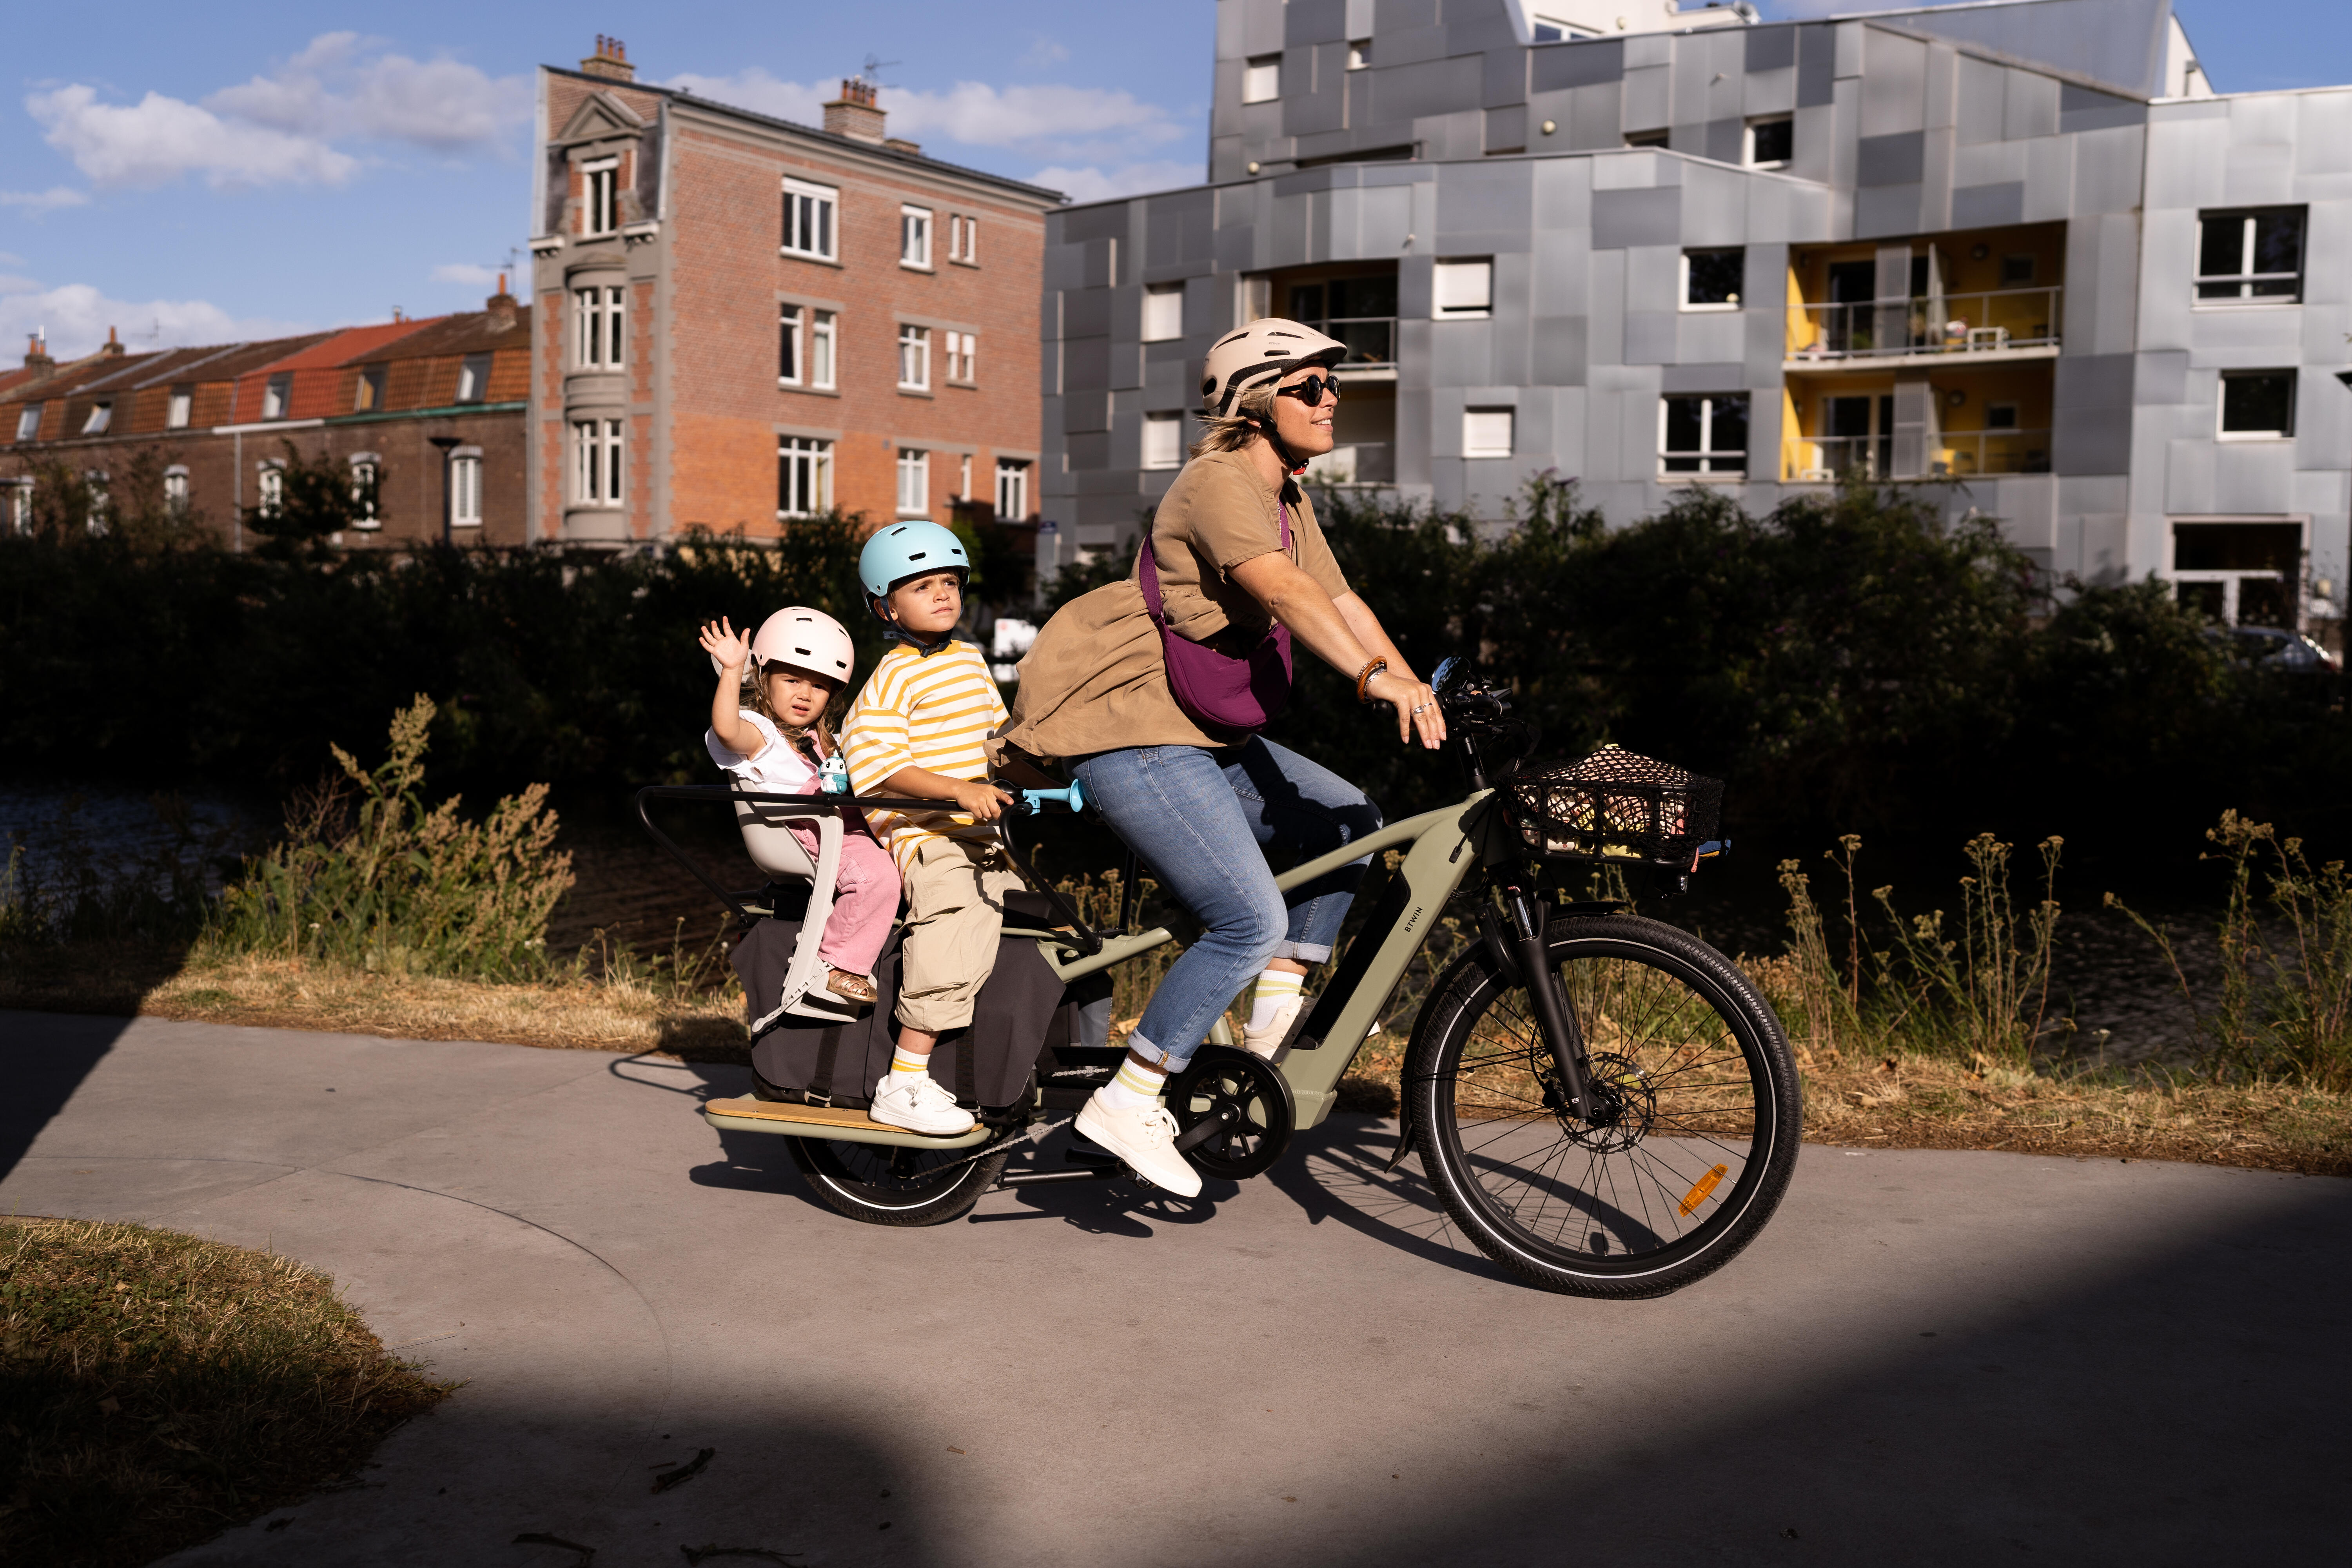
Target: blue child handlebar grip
x=1033 y=800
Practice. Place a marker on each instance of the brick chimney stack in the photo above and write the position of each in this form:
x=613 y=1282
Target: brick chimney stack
x=610 y=61
x=501 y=306
x=852 y=114
x=37 y=357
x=113 y=349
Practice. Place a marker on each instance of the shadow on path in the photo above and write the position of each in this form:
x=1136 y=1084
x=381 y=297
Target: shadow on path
x=44 y=1059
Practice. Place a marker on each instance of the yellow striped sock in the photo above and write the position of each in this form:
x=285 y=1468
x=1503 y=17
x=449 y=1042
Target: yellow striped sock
x=1133 y=1087
x=1277 y=988
x=904 y=1060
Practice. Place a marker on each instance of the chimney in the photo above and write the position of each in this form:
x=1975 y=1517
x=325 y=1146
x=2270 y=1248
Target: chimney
x=901 y=145
x=852 y=114
x=610 y=61
x=37 y=357
x=501 y=306
x=113 y=349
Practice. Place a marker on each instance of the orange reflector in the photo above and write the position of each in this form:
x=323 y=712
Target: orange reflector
x=1705 y=1184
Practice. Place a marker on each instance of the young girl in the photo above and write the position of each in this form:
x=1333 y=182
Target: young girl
x=802 y=659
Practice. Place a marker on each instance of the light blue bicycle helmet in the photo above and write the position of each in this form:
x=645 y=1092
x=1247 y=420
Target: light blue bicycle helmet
x=906 y=549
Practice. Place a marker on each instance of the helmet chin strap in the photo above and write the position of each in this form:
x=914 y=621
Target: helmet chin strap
x=1291 y=463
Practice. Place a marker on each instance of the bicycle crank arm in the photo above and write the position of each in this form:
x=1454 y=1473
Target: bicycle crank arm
x=1047 y=1178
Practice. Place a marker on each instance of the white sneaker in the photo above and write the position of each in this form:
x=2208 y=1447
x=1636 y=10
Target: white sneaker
x=912 y=1100
x=1145 y=1137
x=1264 y=1043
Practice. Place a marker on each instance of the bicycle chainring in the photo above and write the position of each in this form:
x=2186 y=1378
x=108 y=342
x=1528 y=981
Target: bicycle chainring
x=1249 y=1102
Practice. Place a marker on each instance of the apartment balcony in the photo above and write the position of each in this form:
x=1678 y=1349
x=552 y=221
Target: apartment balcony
x=1372 y=346
x=1937 y=329
x=1951 y=455
x=1359 y=463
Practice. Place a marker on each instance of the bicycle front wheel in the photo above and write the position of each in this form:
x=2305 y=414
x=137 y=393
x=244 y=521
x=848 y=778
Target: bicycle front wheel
x=1696 y=1111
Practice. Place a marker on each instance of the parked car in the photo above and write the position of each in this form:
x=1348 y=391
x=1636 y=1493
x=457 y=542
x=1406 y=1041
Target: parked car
x=2275 y=647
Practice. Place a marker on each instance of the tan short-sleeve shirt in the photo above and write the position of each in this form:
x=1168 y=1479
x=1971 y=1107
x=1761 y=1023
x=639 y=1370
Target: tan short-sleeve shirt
x=1094 y=679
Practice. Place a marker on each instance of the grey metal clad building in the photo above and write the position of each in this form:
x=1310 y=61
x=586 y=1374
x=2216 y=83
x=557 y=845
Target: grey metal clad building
x=2018 y=252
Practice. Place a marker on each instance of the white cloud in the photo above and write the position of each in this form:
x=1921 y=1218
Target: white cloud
x=1069 y=122
x=159 y=139
x=1096 y=184
x=466 y=272
x=755 y=89
x=36 y=202
x=77 y=317
x=1043 y=52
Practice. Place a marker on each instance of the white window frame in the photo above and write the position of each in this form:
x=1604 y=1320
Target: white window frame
x=28 y=422
x=1683 y=287
x=1462 y=289
x=175 y=490
x=474 y=378
x=812 y=221
x=366 y=475
x=1542 y=29
x=1011 y=489
x=599 y=462
x=962 y=355
x=1163 y=312
x=600 y=197
x=1163 y=440
x=803 y=476
x=964 y=239
x=600 y=326
x=101 y=520
x=465 y=487
x=1261 y=78
x=180 y=410
x=963 y=477
x=1478 y=428
x=270 y=487
x=914 y=472
x=1706 y=454
x=275 y=394
x=792 y=344
x=915 y=237
x=99 y=418
x=2221 y=402
x=2233 y=578
x=823 y=345
x=20 y=505
x=914 y=357
x=1747 y=141
x=2246 y=277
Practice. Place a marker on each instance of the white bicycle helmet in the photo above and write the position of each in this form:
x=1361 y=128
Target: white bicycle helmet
x=798 y=637
x=1264 y=350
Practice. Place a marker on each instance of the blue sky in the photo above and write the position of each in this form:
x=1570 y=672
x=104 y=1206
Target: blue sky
x=196 y=174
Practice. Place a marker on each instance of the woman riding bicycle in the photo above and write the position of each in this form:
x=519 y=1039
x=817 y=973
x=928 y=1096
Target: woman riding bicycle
x=1152 y=689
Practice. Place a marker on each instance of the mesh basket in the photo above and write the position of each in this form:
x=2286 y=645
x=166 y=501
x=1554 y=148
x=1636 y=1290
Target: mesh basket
x=1615 y=804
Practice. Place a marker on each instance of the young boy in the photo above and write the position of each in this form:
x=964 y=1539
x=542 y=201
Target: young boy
x=919 y=730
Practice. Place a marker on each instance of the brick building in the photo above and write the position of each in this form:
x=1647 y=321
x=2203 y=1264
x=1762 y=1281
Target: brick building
x=428 y=413
x=760 y=320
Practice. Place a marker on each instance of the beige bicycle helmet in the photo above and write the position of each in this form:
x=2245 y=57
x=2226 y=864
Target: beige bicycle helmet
x=1264 y=351
x=800 y=638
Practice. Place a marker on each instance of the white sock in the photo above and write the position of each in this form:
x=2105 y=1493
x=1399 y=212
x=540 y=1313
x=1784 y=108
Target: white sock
x=1133 y=1087
x=1277 y=989
x=905 y=1063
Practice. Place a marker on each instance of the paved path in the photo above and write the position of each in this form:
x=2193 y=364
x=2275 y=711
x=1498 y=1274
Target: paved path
x=1928 y=1358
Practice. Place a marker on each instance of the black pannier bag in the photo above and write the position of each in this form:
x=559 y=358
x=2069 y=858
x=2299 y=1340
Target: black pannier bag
x=985 y=1066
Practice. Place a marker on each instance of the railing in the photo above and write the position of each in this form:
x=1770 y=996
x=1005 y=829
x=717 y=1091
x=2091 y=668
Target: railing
x=1956 y=453
x=1360 y=463
x=1370 y=339
x=1958 y=324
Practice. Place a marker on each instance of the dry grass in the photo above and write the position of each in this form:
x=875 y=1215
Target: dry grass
x=156 y=1388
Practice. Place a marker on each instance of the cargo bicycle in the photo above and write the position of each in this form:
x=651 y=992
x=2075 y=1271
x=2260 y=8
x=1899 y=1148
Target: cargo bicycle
x=1605 y=1105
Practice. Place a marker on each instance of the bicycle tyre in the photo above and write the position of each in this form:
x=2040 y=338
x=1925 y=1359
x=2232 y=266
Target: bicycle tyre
x=1699 y=1075
x=858 y=1180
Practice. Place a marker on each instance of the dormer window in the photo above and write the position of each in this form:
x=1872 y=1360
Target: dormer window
x=183 y=407
x=275 y=394
x=474 y=378
x=600 y=211
x=368 y=397
x=100 y=416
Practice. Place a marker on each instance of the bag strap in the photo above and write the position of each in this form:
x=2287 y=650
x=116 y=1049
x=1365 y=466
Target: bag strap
x=820 y=1087
x=1148 y=570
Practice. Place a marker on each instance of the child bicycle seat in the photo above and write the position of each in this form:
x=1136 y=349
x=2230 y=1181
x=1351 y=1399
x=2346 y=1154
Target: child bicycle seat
x=767 y=828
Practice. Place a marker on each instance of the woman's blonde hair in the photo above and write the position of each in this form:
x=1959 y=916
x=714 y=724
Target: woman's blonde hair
x=1234 y=431
x=755 y=696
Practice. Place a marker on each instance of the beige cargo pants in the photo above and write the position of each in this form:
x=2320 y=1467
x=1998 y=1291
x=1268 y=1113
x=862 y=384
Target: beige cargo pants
x=955 y=909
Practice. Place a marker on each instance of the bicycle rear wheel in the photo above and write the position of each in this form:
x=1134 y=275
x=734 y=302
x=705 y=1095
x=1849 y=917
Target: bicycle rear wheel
x=886 y=1184
x=1696 y=1123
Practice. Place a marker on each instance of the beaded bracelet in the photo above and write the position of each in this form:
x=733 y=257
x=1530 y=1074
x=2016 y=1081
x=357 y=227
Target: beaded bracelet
x=1364 y=677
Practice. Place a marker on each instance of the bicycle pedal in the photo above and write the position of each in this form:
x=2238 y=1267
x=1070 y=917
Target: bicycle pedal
x=1092 y=1155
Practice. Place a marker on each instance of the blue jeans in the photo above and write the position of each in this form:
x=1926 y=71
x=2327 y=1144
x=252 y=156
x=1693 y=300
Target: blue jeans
x=1202 y=828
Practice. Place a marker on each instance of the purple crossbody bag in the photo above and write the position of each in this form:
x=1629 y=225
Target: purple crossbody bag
x=1215 y=688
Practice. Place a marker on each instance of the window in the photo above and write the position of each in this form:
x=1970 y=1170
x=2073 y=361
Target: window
x=28 y=422
x=1703 y=435
x=1163 y=440
x=2250 y=255
x=1163 y=312
x=269 y=488
x=175 y=490
x=2257 y=404
x=789 y=355
x=599 y=324
x=914 y=482
x=1647 y=138
x=182 y=407
x=820 y=347
x=367 y=392
x=808 y=219
x=1771 y=142
x=962 y=349
x=914 y=359
x=2000 y=415
x=1011 y=489
x=275 y=392
x=2016 y=272
x=1554 y=30
x=914 y=237
x=2240 y=574
x=964 y=239
x=101 y=502
x=1486 y=432
x=474 y=378
x=363 y=489
x=1261 y=78
x=100 y=416
x=600 y=210
x=20 y=505
x=1462 y=289
x=466 y=488
x=1711 y=279
x=803 y=476
x=1360 y=54
x=596 y=462
x=963 y=476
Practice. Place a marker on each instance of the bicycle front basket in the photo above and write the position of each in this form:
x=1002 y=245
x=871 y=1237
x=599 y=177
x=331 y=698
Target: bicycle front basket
x=1615 y=804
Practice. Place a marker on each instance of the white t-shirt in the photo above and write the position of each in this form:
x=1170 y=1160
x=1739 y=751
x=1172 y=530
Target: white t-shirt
x=777 y=768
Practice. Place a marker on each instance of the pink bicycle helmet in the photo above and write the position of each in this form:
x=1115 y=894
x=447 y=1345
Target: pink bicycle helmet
x=806 y=640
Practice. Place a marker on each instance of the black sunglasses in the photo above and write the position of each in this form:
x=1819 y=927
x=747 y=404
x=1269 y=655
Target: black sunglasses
x=1310 y=391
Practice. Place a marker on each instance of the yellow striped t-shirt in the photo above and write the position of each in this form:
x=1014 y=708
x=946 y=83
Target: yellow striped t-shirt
x=933 y=712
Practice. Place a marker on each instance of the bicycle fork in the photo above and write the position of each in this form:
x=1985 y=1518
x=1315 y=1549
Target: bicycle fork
x=1523 y=950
